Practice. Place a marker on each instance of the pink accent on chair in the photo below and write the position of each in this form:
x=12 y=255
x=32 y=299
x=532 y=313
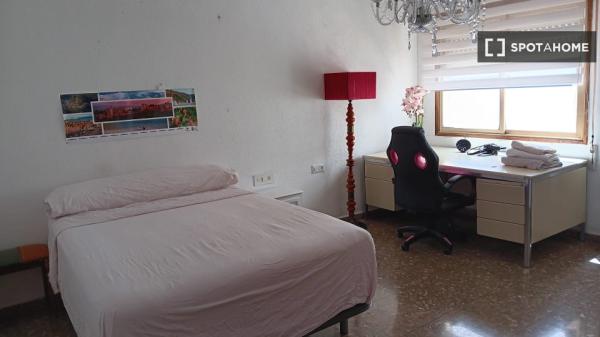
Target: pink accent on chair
x=393 y=157
x=420 y=161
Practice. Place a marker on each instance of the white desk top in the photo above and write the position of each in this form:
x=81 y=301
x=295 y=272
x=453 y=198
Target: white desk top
x=452 y=161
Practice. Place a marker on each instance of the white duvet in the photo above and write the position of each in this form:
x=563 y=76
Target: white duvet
x=212 y=264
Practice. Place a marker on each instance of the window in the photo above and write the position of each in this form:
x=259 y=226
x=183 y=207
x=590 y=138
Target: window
x=538 y=101
x=552 y=113
x=472 y=109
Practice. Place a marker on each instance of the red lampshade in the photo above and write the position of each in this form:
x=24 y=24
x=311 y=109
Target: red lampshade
x=350 y=86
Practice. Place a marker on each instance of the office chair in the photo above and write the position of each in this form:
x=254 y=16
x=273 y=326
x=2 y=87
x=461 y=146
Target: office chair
x=419 y=189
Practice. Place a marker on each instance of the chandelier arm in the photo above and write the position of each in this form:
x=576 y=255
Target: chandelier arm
x=404 y=13
x=422 y=16
x=397 y=10
x=377 y=13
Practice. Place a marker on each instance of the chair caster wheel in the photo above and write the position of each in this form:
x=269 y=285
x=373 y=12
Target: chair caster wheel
x=405 y=247
x=448 y=251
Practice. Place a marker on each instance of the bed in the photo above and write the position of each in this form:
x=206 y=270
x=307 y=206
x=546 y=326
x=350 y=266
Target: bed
x=187 y=254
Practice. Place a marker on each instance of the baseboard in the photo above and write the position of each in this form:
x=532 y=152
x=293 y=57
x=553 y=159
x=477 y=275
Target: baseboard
x=592 y=237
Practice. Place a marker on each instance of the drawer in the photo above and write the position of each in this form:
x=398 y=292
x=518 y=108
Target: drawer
x=500 y=191
x=500 y=230
x=380 y=193
x=376 y=171
x=500 y=211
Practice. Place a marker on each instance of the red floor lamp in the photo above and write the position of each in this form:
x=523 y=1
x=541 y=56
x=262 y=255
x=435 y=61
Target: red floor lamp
x=349 y=87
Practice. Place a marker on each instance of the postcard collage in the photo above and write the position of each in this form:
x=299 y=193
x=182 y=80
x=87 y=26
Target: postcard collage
x=119 y=113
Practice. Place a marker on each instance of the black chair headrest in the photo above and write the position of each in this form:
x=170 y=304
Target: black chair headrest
x=407 y=130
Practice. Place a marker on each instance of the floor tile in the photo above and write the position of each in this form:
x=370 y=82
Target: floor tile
x=479 y=291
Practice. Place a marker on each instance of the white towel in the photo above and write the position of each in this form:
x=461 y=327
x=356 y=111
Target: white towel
x=532 y=164
x=533 y=149
x=548 y=157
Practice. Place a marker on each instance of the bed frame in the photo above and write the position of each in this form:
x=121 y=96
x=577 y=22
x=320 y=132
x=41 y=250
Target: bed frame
x=342 y=319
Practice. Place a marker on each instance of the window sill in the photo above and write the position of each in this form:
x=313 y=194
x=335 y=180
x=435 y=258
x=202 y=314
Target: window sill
x=547 y=139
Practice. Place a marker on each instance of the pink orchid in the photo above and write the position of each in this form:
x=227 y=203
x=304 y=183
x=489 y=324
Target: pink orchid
x=412 y=103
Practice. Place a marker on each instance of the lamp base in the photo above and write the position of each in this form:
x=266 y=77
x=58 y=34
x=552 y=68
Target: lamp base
x=357 y=223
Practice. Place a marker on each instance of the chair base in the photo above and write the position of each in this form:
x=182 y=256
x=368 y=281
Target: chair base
x=419 y=232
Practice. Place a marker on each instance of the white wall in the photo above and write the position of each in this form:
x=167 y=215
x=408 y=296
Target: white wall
x=258 y=74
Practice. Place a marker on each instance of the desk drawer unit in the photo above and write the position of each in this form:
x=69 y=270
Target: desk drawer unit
x=500 y=230
x=559 y=203
x=380 y=193
x=501 y=210
x=500 y=191
x=382 y=172
x=379 y=186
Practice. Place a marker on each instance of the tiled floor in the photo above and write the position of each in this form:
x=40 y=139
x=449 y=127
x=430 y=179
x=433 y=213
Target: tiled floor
x=479 y=291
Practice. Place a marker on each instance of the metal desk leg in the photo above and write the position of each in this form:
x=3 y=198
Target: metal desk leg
x=528 y=235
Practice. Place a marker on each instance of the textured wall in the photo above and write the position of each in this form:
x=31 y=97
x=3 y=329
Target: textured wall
x=257 y=67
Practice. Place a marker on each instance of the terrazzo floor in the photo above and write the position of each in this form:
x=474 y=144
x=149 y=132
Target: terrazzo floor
x=479 y=291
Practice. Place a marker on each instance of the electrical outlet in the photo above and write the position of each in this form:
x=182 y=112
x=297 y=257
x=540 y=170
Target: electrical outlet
x=318 y=168
x=263 y=179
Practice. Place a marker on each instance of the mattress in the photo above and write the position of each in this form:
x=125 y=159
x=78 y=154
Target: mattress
x=219 y=263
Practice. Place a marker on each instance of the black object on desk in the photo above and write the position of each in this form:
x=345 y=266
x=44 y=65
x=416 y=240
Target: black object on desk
x=486 y=150
x=463 y=145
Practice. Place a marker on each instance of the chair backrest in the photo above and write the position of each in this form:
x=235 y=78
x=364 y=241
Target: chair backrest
x=417 y=183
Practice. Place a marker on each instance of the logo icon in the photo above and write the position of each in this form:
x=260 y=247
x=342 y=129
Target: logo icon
x=501 y=53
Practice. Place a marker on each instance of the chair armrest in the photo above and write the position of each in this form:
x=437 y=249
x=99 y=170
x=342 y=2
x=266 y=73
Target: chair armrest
x=455 y=179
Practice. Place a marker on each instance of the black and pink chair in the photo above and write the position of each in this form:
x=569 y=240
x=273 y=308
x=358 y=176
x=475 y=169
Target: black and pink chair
x=419 y=189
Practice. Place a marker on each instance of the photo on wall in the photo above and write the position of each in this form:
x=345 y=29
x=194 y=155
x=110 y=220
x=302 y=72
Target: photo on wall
x=182 y=97
x=93 y=116
x=132 y=109
x=77 y=103
x=184 y=117
x=81 y=125
x=131 y=94
x=135 y=126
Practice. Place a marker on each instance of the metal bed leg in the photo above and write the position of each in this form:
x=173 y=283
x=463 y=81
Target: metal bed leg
x=527 y=242
x=344 y=327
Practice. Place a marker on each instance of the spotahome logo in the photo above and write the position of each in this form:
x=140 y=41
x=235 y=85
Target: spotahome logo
x=546 y=46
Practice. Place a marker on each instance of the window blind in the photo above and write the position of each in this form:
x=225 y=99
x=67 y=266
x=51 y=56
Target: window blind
x=456 y=65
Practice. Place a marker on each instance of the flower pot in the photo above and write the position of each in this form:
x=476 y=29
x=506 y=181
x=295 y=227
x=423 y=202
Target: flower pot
x=418 y=123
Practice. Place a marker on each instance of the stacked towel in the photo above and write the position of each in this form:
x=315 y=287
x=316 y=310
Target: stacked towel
x=532 y=149
x=531 y=157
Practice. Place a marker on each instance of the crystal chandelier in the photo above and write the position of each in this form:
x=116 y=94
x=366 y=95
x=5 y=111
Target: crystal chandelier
x=422 y=16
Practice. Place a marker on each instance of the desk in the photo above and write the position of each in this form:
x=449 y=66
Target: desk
x=513 y=204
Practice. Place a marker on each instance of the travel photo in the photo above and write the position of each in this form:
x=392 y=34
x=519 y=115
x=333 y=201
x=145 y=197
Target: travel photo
x=182 y=96
x=135 y=126
x=184 y=117
x=77 y=103
x=81 y=125
x=113 y=111
x=130 y=94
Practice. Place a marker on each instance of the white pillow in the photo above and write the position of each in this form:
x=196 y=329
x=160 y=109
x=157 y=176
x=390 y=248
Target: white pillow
x=119 y=191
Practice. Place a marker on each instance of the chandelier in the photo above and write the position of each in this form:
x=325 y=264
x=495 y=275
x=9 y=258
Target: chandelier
x=422 y=16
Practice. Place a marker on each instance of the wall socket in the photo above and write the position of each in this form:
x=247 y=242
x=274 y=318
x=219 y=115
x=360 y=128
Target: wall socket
x=263 y=179
x=317 y=168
